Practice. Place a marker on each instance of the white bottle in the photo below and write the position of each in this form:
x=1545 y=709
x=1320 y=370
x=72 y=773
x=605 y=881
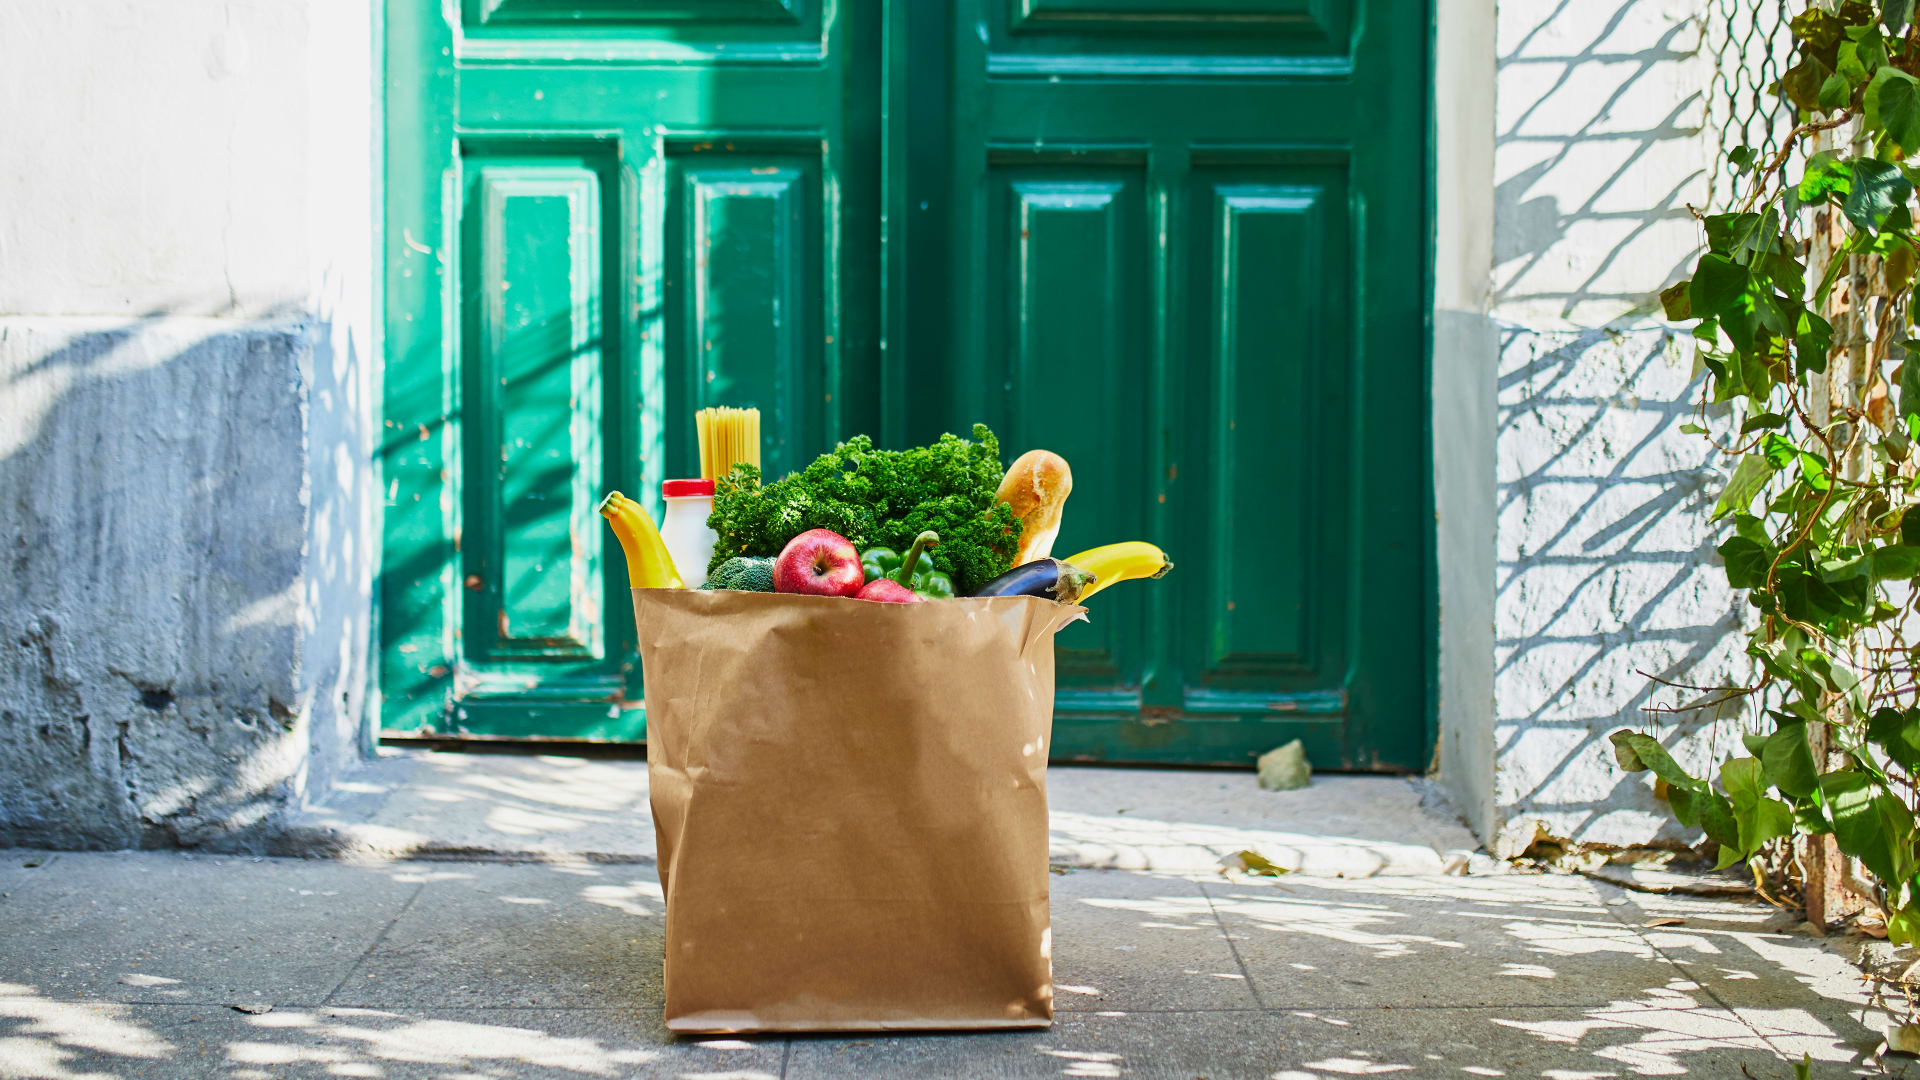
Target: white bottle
x=689 y=541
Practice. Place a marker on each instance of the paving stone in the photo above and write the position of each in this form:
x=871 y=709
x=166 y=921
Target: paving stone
x=21 y=867
x=526 y=935
x=540 y=805
x=142 y=926
x=41 y=1038
x=1124 y=940
x=507 y=971
x=1566 y=1044
x=1520 y=940
x=1796 y=990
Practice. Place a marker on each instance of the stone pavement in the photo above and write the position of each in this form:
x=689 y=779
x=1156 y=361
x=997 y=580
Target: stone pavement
x=249 y=968
x=414 y=803
x=498 y=916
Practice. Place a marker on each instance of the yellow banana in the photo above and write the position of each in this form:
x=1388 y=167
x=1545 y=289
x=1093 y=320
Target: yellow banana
x=1120 y=562
x=648 y=564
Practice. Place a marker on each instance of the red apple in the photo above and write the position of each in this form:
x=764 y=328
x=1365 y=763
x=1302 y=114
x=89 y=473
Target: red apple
x=889 y=591
x=820 y=562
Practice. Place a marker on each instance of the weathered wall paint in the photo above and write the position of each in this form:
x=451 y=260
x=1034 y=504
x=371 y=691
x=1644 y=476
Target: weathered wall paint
x=185 y=338
x=1463 y=362
x=1605 y=560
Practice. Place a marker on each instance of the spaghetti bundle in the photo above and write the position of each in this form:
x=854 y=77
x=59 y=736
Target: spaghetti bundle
x=728 y=437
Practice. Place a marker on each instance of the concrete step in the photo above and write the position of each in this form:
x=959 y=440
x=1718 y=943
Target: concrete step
x=424 y=804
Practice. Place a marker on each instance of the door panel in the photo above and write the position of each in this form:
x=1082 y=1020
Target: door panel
x=745 y=280
x=532 y=549
x=606 y=216
x=1202 y=216
x=1067 y=271
x=1268 y=304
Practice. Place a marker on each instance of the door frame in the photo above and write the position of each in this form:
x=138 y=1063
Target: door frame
x=408 y=187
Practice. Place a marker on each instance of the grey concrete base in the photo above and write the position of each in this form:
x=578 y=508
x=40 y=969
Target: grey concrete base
x=425 y=804
x=165 y=966
x=167 y=569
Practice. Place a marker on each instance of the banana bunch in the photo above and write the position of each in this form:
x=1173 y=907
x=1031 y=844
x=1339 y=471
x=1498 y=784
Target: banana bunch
x=649 y=566
x=1125 y=561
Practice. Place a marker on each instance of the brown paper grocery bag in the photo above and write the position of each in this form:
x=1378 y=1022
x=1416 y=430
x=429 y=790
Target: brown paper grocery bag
x=851 y=805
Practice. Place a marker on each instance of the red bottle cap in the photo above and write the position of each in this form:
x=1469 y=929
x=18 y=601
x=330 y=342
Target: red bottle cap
x=674 y=489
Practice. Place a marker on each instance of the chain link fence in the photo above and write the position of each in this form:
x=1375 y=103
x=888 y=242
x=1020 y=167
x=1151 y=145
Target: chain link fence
x=1750 y=46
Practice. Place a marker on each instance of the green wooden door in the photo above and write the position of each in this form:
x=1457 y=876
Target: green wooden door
x=601 y=217
x=1184 y=248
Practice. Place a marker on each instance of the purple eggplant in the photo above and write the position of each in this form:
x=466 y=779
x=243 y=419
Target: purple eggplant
x=1053 y=579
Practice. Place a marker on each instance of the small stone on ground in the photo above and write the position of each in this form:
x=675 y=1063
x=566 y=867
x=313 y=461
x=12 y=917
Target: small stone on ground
x=1285 y=768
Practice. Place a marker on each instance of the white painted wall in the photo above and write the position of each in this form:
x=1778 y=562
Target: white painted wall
x=1605 y=567
x=186 y=328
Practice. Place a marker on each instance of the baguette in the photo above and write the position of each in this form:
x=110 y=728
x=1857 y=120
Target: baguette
x=1036 y=486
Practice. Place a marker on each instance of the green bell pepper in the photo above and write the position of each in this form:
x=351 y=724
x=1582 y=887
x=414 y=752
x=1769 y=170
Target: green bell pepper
x=910 y=569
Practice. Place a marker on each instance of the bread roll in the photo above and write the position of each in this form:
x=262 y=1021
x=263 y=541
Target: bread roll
x=1036 y=486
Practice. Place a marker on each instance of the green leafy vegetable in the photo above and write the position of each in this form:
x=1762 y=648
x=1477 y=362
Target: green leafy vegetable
x=879 y=498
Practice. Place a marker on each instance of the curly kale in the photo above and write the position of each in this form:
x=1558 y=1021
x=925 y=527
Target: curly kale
x=879 y=498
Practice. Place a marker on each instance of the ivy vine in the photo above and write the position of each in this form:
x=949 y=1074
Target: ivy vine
x=1801 y=308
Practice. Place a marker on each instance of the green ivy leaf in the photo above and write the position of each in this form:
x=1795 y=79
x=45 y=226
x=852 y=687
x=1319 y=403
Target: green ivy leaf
x=1684 y=811
x=1897 y=732
x=1719 y=285
x=1788 y=758
x=1813 y=470
x=1788 y=276
x=1893 y=103
x=1748 y=478
x=1722 y=827
x=1676 y=304
x=1801 y=83
x=1778 y=450
x=1758 y=817
x=1910 y=388
x=1835 y=92
x=1813 y=340
x=1744 y=237
x=1848 y=62
x=1895 y=15
x=1817 y=30
x=1903 y=928
x=1896 y=562
x=1857 y=823
x=1896 y=821
x=1746 y=562
x=1879 y=193
x=1762 y=420
x=1827 y=175
x=1641 y=753
x=1807 y=598
x=1900 y=266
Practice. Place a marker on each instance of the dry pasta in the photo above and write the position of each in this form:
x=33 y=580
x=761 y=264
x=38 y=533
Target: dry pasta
x=728 y=437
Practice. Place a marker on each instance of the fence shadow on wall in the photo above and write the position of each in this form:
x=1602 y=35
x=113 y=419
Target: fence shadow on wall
x=1596 y=161
x=1606 y=567
x=1606 y=570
